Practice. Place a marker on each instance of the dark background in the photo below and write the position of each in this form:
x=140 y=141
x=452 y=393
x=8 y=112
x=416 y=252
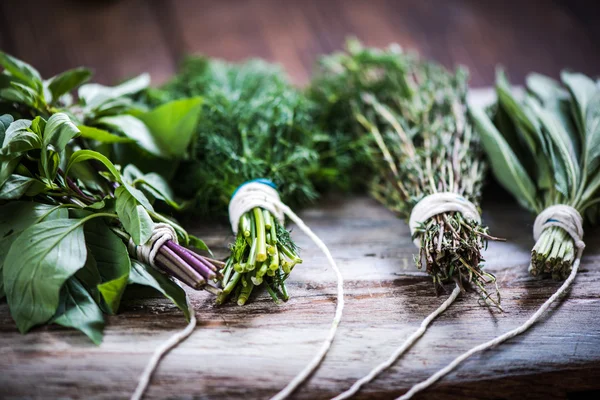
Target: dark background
x=122 y=38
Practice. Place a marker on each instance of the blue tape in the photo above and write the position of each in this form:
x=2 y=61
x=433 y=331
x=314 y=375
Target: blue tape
x=264 y=181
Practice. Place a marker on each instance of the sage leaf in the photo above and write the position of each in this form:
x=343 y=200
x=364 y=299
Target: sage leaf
x=136 y=130
x=147 y=276
x=582 y=89
x=101 y=135
x=65 y=82
x=592 y=134
x=505 y=165
x=78 y=310
x=173 y=124
x=112 y=261
x=133 y=216
x=32 y=279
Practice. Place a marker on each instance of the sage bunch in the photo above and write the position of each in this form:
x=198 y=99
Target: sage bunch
x=415 y=139
x=544 y=148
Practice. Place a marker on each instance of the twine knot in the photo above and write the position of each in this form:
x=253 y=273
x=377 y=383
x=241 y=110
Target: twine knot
x=563 y=216
x=439 y=203
x=255 y=193
x=147 y=252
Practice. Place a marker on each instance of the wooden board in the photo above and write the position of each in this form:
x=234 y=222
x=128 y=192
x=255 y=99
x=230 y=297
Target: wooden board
x=253 y=351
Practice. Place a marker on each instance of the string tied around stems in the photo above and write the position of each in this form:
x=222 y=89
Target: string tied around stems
x=439 y=203
x=147 y=252
x=263 y=193
x=561 y=215
x=428 y=207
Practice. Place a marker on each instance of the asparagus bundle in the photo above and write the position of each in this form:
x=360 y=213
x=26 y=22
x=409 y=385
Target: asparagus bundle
x=254 y=134
x=68 y=214
x=543 y=148
x=420 y=143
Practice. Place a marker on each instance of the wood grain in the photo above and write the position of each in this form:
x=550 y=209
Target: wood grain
x=252 y=351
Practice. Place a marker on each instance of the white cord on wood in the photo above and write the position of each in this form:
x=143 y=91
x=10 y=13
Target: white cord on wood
x=261 y=194
x=160 y=352
x=439 y=203
x=560 y=215
x=147 y=252
x=400 y=350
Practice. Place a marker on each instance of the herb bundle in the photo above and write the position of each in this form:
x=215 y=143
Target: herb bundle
x=544 y=150
x=410 y=115
x=255 y=127
x=68 y=214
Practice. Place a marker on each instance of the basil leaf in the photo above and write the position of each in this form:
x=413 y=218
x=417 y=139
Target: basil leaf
x=89 y=276
x=198 y=243
x=59 y=131
x=21 y=70
x=505 y=165
x=147 y=276
x=95 y=95
x=84 y=155
x=112 y=260
x=101 y=135
x=78 y=310
x=173 y=124
x=65 y=82
x=17 y=185
x=136 y=130
x=5 y=121
x=15 y=217
x=133 y=216
x=33 y=278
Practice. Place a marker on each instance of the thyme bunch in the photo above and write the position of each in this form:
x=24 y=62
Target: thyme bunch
x=411 y=114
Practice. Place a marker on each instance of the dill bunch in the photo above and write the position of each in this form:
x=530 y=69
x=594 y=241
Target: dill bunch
x=254 y=125
x=409 y=117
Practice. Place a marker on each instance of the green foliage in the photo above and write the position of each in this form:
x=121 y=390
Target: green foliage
x=254 y=124
x=66 y=210
x=543 y=148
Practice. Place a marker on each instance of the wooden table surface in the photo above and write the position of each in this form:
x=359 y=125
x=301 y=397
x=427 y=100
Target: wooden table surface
x=255 y=350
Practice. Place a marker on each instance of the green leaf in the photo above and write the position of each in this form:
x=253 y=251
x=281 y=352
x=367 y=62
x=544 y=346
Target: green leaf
x=173 y=124
x=15 y=217
x=33 y=278
x=506 y=166
x=84 y=155
x=112 y=260
x=592 y=134
x=147 y=276
x=17 y=185
x=67 y=81
x=133 y=216
x=21 y=70
x=77 y=309
x=89 y=276
x=5 y=121
x=582 y=89
x=59 y=131
x=101 y=135
x=198 y=243
x=136 y=130
x=95 y=95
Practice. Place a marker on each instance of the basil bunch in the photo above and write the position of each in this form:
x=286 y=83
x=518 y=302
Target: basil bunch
x=66 y=210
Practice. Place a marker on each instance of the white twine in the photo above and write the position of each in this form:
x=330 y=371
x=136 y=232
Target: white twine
x=427 y=207
x=147 y=252
x=439 y=203
x=160 y=352
x=563 y=216
x=400 y=350
x=261 y=194
x=250 y=195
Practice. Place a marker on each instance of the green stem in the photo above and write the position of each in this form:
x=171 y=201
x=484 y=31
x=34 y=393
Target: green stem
x=261 y=250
